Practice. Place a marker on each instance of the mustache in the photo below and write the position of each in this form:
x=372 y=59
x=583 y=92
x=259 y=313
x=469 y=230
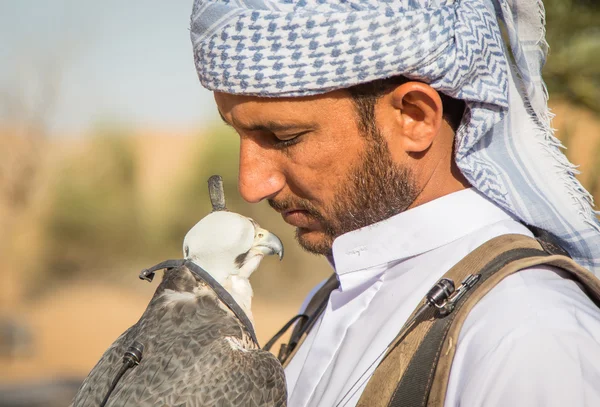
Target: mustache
x=286 y=204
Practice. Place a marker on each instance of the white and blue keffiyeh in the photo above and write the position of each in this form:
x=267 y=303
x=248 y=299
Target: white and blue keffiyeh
x=505 y=146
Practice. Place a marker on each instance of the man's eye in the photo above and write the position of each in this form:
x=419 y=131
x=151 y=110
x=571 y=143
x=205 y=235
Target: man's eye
x=287 y=140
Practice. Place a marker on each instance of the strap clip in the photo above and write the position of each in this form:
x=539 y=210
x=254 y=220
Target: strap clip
x=446 y=301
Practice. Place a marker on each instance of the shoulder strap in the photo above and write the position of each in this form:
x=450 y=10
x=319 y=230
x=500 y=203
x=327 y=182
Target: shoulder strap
x=415 y=369
x=441 y=373
x=305 y=323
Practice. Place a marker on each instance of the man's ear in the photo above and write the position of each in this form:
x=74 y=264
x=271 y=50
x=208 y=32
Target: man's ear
x=418 y=113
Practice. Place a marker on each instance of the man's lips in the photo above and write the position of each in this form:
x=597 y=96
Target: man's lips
x=299 y=218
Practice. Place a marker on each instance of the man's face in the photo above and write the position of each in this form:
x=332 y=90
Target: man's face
x=314 y=164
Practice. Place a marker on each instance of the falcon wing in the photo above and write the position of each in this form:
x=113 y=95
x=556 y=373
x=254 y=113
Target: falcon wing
x=208 y=374
x=93 y=389
x=196 y=353
x=237 y=378
x=204 y=366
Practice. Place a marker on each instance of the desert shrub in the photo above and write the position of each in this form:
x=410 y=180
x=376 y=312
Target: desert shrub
x=92 y=220
x=572 y=71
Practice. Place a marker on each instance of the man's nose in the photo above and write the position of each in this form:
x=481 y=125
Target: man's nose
x=260 y=176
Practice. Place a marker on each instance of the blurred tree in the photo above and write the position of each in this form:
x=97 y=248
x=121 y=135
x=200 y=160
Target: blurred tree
x=216 y=153
x=573 y=67
x=92 y=219
x=572 y=71
x=27 y=101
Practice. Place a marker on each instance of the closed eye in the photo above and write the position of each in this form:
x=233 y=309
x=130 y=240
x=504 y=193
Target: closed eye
x=288 y=140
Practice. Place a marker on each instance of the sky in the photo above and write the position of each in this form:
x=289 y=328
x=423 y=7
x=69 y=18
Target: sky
x=128 y=62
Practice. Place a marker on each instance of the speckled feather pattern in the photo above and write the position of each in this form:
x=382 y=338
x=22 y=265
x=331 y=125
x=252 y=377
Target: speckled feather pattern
x=197 y=353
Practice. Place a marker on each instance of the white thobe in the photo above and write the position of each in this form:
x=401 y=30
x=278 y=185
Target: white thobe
x=534 y=340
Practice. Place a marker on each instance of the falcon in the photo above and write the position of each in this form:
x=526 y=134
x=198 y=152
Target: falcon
x=195 y=343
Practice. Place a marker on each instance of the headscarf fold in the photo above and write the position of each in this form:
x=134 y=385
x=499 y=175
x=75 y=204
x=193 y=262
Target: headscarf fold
x=505 y=145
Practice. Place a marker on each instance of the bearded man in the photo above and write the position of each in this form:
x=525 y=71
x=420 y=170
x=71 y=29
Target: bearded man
x=397 y=137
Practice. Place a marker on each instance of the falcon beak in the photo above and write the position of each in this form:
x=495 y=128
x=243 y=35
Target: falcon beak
x=268 y=243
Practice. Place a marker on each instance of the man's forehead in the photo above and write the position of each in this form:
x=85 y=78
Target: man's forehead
x=230 y=99
x=247 y=111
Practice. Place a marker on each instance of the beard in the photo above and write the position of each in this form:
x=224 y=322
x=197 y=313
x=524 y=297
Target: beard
x=376 y=189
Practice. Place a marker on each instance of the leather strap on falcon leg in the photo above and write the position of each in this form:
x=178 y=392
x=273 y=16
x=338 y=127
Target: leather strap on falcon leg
x=283 y=330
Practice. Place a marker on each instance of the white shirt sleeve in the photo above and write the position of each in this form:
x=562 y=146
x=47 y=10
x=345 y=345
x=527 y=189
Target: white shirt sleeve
x=534 y=340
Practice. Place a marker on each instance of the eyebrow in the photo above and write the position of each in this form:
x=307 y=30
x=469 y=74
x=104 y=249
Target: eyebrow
x=271 y=126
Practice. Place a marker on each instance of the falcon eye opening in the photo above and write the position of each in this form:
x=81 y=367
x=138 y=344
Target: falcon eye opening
x=260 y=235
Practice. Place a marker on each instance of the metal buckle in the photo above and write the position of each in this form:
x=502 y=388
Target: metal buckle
x=444 y=297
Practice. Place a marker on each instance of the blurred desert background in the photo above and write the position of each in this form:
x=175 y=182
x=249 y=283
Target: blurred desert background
x=107 y=141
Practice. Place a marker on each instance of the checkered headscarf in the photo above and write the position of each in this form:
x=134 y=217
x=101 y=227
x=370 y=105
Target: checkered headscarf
x=505 y=146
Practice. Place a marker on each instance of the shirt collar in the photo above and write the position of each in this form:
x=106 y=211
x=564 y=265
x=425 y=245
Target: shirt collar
x=415 y=231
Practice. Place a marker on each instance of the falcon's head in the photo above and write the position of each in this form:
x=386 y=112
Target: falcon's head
x=229 y=247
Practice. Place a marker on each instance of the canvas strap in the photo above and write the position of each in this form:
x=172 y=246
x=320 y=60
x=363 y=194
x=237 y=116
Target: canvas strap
x=441 y=373
x=415 y=370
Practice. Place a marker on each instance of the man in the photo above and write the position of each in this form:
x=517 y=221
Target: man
x=397 y=137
